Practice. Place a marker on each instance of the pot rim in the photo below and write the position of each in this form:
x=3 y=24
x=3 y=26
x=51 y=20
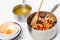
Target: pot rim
x=42 y=30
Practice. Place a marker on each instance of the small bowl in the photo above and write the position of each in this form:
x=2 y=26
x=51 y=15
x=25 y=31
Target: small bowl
x=41 y=34
x=11 y=36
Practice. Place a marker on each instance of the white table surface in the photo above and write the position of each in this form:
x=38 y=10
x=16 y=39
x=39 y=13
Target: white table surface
x=6 y=13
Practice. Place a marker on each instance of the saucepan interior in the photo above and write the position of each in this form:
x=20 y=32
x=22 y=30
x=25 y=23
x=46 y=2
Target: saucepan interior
x=29 y=19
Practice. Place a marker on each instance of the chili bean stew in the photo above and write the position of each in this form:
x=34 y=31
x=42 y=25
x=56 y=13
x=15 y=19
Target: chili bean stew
x=46 y=20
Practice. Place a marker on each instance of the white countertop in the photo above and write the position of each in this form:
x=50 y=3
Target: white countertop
x=6 y=13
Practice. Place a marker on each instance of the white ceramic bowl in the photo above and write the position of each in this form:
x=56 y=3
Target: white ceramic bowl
x=11 y=36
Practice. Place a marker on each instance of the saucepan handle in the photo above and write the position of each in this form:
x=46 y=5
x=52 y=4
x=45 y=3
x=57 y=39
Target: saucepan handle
x=24 y=2
x=55 y=7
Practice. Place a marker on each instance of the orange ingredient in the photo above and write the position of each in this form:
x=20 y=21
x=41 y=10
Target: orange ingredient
x=7 y=28
x=45 y=25
x=9 y=31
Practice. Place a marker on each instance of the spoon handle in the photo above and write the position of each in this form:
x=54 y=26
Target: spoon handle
x=35 y=18
x=40 y=6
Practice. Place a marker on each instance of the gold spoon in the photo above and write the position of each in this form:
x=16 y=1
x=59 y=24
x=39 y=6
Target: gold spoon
x=34 y=20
